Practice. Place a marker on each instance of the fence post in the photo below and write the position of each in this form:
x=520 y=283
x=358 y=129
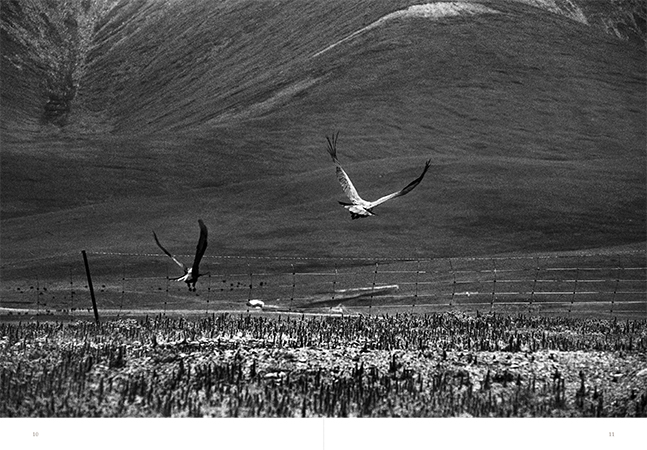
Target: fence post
x=167 y=288
x=294 y=284
x=574 y=289
x=370 y=305
x=123 y=287
x=94 y=301
x=208 y=293
x=534 y=283
x=37 y=297
x=615 y=288
x=71 y=292
x=493 y=284
x=251 y=283
x=415 y=294
x=334 y=283
x=451 y=267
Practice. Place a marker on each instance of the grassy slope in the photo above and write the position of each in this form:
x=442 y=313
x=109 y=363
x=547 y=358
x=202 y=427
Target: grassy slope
x=534 y=124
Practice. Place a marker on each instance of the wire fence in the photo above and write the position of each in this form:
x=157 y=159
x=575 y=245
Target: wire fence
x=591 y=285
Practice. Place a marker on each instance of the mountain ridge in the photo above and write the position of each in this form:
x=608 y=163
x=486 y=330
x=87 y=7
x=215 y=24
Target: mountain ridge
x=77 y=41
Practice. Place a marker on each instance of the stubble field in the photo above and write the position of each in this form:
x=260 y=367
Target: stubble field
x=255 y=365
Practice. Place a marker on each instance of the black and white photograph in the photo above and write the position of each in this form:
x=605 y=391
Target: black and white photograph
x=323 y=224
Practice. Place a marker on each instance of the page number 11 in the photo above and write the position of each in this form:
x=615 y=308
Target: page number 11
x=611 y=434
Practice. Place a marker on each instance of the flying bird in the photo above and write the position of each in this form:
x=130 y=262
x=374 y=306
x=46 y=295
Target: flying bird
x=359 y=207
x=191 y=274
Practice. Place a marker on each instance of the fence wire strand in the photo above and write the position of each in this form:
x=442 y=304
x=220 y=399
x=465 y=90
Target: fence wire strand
x=597 y=283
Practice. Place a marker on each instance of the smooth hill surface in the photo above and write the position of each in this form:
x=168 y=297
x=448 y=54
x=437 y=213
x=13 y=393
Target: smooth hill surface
x=154 y=114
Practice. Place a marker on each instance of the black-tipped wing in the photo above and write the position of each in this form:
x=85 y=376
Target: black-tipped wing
x=200 y=248
x=408 y=188
x=332 y=145
x=342 y=176
x=168 y=253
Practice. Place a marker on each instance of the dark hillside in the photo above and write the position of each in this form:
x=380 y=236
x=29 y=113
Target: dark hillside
x=172 y=111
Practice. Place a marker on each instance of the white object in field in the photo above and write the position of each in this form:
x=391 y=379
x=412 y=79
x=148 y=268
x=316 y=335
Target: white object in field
x=255 y=303
x=191 y=274
x=468 y=293
x=358 y=207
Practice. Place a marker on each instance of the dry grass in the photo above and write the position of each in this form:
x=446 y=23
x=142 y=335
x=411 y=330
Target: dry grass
x=389 y=366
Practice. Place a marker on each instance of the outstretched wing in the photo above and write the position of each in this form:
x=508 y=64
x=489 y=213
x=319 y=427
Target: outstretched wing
x=168 y=253
x=408 y=188
x=200 y=248
x=342 y=176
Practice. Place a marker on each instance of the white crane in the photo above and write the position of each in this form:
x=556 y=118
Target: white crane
x=359 y=207
x=191 y=274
